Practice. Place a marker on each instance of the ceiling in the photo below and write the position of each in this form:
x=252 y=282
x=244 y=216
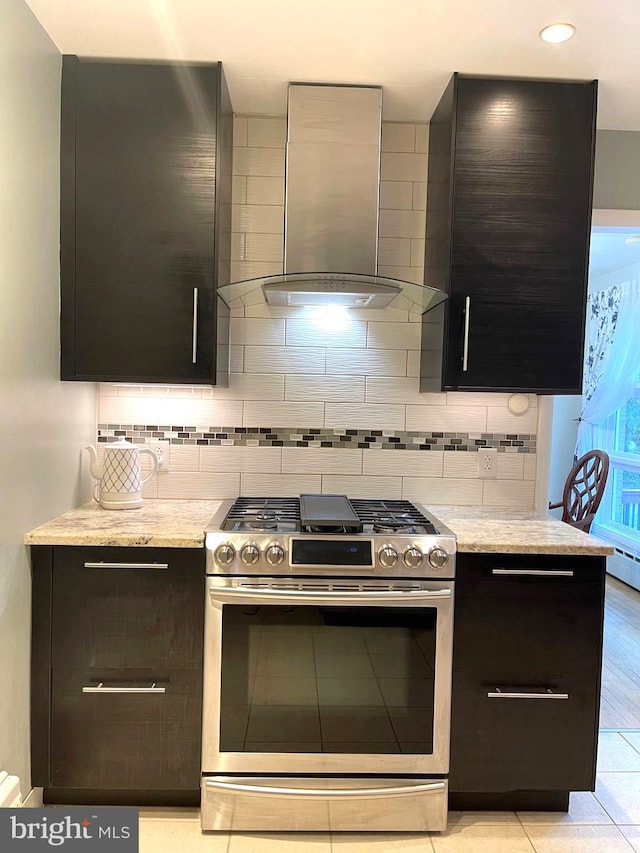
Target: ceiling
x=410 y=47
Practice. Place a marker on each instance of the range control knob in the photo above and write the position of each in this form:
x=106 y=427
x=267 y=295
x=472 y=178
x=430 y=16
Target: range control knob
x=274 y=554
x=250 y=554
x=438 y=558
x=225 y=554
x=413 y=557
x=387 y=556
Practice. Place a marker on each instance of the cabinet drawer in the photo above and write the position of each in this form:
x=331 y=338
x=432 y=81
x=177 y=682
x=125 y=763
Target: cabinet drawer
x=510 y=744
x=528 y=618
x=126 y=740
x=127 y=607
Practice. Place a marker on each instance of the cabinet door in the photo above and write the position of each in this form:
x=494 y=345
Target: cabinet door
x=517 y=220
x=140 y=186
x=126 y=740
x=525 y=625
x=127 y=607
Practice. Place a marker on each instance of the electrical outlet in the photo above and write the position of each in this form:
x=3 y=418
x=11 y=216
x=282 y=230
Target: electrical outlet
x=162 y=449
x=488 y=463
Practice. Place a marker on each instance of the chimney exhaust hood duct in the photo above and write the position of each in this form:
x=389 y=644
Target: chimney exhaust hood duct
x=331 y=208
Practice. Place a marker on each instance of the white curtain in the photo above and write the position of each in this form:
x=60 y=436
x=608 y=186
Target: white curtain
x=612 y=368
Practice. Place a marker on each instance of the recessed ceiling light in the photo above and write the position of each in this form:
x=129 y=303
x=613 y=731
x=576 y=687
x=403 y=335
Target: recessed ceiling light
x=556 y=33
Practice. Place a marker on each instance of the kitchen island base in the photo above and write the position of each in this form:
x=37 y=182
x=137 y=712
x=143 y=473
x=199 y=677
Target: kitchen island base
x=530 y=801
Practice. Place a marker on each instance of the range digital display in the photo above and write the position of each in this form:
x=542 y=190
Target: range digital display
x=331 y=552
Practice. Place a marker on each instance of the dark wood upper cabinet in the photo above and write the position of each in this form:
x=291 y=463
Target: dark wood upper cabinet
x=509 y=198
x=146 y=163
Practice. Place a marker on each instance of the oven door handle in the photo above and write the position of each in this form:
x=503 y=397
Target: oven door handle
x=326 y=794
x=256 y=595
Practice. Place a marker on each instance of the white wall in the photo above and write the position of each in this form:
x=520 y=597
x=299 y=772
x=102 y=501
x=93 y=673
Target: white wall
x=43 y=423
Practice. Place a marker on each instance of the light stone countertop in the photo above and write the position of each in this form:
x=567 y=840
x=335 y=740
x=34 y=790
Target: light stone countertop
x=157 y=523
x=513 y=531
x=182 y=524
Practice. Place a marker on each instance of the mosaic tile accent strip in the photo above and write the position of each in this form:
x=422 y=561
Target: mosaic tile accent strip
x=307 y=437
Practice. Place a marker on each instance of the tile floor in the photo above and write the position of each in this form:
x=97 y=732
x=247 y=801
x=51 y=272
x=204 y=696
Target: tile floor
x=605 y=822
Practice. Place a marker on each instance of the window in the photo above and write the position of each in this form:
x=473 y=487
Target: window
x=618 y=518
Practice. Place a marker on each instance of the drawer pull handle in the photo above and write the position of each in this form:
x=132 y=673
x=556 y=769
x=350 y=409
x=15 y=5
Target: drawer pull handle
x=543 y=694
x=126 y=565
x=194 y=331
x=465 y=345
x=100 y=688
x=326 y=793
x=536 y=572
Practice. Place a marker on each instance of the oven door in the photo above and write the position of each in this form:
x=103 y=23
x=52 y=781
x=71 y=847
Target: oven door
x=324 y=675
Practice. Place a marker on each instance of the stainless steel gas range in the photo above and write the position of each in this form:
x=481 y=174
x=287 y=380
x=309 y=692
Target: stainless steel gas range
x=329 y=627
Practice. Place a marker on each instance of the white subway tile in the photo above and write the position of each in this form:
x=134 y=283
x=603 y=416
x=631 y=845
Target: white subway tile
x=381 y=315
x=258 y=218
x=401 y=223
x=394 y=251
x=264 y=248
x=184 y=457
x=280 y=485
x=266 y=132
x=363 y=487
x=510 y=493
x=427 y=490
x=263 y=309
x=243 y=270
x=500 y=419
x=267 y=162
x=328 y=389
x=240 y=124
x=415 y=274
x=413 y=363
x=256 y=332
x=150 y=488
x=239 y=189
x=310 y=331
x=510 y=466
x=260 y=190
x=529 y=466
x=241 y=458
x=403 y=463
x=199 y=486
x=447 y=418
x=238 y=246
x=267 y=413
x=364 y=416
x=479 y=398
x=417 y=253
x=396 y=195
x=403 y=167
x=284 y=359
x=236 y=359
x=459 y=465
x=170 y=410
x=252 y=386
x=386 y=336
x=419 y=201
x=386 y=389
x=321 y=460
x=106 y=389
x=398 y=136
x=365 y=362
x=422 y=138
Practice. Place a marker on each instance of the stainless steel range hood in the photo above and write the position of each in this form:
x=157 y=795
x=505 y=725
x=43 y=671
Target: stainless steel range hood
x=331 y=208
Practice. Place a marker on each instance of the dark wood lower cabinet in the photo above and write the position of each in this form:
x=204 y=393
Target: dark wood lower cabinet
x=118 y=638
x=530 y=627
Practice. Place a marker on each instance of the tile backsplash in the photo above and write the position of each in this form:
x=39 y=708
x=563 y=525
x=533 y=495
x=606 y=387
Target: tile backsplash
x=325 y=403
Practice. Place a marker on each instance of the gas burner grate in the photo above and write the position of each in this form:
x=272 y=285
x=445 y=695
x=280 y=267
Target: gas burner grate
x=391 y=515
x=264 y=513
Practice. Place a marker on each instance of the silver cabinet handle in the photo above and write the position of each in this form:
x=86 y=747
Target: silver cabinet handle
x=194 y=339
x=537 y=572
x=255 y=594
x=320 y=794
x=100 y=688
x=542 y=694
x=126 y=565
x=465 y=345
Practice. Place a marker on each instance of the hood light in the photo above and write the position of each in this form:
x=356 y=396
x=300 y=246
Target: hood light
x=557 y=33
x=331 y=318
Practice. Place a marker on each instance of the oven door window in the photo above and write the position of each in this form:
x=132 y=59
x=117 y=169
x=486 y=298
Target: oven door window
x=327 y=679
